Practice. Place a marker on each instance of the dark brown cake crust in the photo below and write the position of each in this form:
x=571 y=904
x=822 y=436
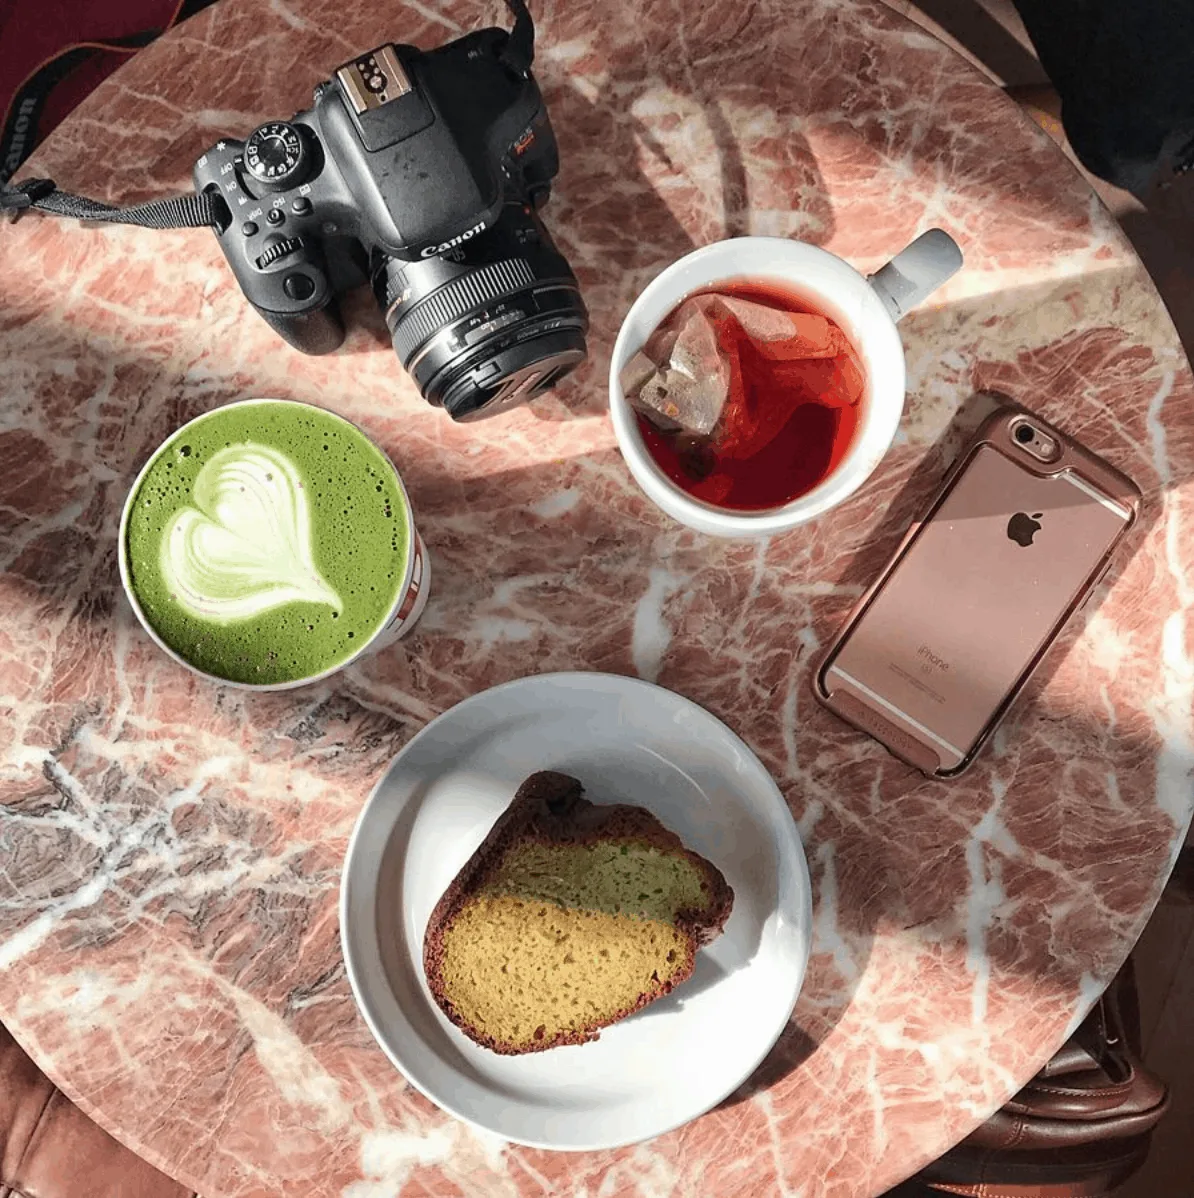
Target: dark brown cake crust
x=549 y=808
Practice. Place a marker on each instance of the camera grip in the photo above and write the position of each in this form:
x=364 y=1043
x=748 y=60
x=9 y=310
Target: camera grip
x=318 y=331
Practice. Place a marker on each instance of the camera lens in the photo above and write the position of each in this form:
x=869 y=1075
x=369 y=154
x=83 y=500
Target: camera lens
x=1024 y=434
x=487 y=324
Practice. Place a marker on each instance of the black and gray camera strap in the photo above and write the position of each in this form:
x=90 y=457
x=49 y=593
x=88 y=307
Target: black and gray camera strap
x=519 y=51
x=194 y=211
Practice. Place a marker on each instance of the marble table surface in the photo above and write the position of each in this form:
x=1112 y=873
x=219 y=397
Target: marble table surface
x=170 y=850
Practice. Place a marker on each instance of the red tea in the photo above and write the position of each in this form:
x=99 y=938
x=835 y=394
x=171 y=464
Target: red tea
x=787 y=429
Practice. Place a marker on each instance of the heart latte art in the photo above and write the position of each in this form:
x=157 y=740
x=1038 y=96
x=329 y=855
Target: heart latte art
x=245 y=544
x=268 y=542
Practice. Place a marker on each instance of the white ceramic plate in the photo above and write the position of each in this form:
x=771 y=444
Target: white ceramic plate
x=627 y=741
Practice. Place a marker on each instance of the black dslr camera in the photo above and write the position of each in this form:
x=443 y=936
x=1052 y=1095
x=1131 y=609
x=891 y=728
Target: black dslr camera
x=421 y=173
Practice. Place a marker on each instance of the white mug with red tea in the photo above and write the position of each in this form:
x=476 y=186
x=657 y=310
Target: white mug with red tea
x=866 y=310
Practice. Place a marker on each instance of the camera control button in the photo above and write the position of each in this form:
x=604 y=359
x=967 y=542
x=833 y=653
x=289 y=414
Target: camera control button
x=249 y=228
x=301 y=206
x=298 y=287
x=276 y=249
x=277 y=155
x=275 y=216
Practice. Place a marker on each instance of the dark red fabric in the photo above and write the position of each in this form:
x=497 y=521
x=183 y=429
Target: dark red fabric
x=53 y=52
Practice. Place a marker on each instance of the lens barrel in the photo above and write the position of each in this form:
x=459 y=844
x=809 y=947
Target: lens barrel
x=487 y=324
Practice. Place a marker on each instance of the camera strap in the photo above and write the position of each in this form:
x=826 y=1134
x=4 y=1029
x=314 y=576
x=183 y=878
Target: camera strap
x=519 y=50
x=195 y=211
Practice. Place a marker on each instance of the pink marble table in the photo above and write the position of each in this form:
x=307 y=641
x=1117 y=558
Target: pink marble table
x=170 y=851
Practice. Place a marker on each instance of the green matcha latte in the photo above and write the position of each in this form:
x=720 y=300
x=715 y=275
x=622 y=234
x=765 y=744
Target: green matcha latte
x=267 y=542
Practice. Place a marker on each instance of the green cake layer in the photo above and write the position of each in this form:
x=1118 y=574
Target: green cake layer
x=619 y=879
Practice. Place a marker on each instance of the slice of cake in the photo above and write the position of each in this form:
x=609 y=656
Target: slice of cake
x=569 y=917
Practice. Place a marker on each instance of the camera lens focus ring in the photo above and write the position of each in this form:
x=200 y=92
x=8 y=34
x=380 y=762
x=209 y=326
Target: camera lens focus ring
x=455 y=299
x=489 y=326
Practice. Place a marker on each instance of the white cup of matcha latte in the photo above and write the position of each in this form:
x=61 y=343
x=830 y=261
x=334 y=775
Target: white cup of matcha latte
x=269 y=543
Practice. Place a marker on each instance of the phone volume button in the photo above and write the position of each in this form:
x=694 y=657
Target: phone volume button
x=1093 y=587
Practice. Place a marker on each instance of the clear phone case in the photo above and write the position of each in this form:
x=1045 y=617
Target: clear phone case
x=1012 y=544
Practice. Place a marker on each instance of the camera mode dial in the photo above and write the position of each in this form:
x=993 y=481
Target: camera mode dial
x=276 y=156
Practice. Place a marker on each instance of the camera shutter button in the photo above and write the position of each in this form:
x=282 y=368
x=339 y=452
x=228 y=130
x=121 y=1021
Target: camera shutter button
x=299 y=287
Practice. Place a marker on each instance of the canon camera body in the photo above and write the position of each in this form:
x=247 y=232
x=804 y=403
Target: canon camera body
x=422 y=173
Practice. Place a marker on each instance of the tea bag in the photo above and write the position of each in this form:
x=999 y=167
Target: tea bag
x=683 y=377
x=688 y=377
x=782 y=336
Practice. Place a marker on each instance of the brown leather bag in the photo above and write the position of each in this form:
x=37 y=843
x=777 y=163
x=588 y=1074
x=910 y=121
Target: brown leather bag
x=50 y=1149
x=1079 y=1129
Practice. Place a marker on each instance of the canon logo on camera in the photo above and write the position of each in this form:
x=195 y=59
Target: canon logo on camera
x=433 y=251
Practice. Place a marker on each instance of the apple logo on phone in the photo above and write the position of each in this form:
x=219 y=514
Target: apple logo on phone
x=1022 y=527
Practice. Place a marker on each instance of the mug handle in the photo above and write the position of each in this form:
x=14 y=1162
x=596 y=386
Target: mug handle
x=916 y=271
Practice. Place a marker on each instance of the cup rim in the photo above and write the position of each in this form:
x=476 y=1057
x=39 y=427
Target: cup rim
x=841 y=482
x=307 y=680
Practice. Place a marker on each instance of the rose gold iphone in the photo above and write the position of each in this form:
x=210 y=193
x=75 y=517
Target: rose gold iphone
x=934 y=653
